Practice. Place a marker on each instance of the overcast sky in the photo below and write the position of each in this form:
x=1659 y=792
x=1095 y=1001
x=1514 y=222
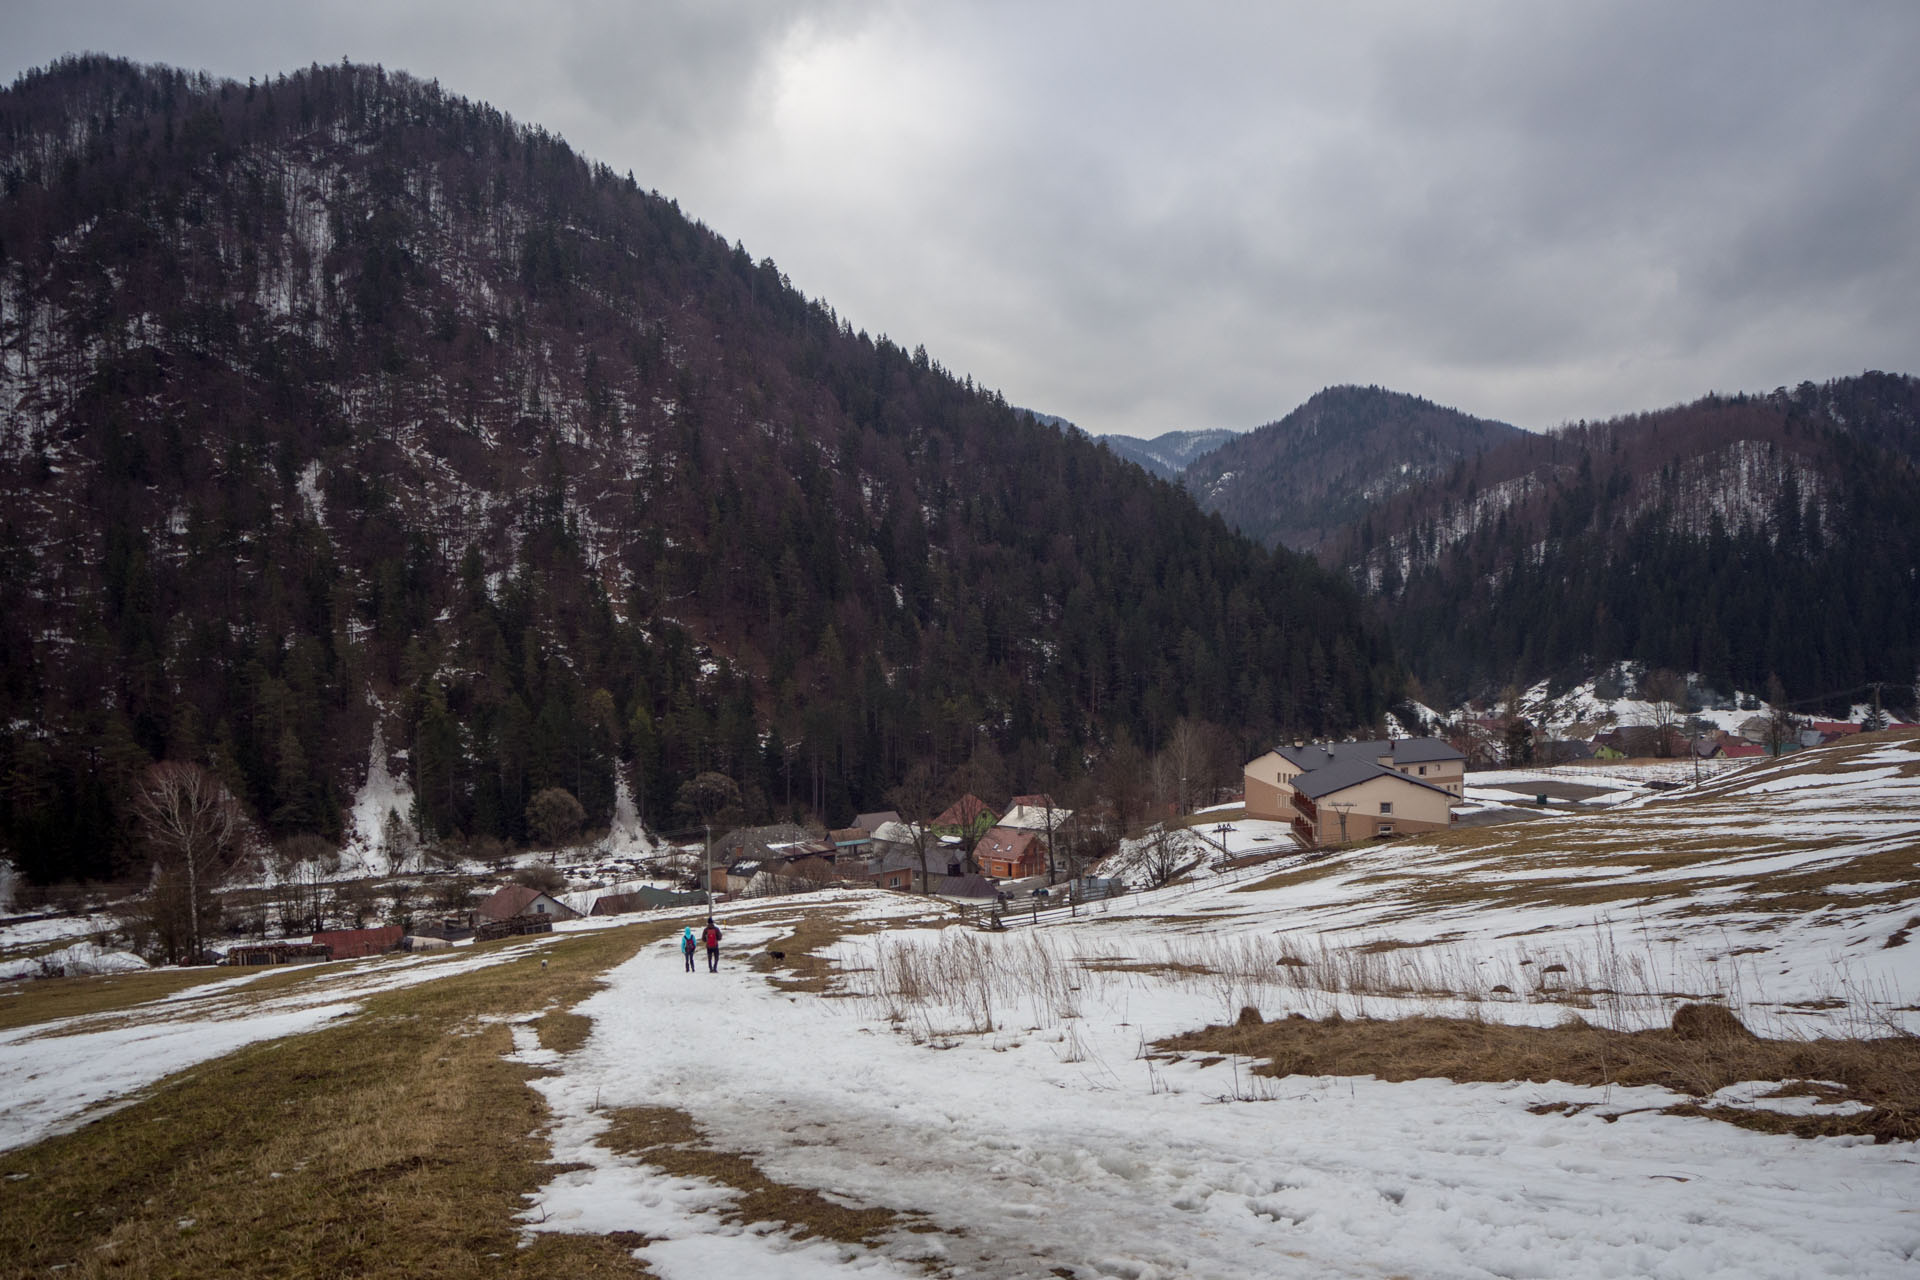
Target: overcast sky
x=1531 y=211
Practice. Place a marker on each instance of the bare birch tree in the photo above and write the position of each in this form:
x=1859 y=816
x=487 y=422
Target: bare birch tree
x=193 y=829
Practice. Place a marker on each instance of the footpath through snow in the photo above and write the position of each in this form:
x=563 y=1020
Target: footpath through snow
x=1063 y=1150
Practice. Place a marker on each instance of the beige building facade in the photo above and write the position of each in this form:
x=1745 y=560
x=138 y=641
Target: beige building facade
x=1338 y=793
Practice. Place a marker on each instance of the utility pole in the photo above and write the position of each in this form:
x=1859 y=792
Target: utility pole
x=706 y=878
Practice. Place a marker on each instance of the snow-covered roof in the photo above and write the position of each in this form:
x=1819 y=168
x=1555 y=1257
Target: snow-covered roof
x=1034 y=818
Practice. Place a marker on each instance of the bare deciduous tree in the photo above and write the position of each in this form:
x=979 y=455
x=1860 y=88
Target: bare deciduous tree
x=399 y=843
x=1666 y=692
x=1783 y=727
x=194 y=829
x=917 y=799
x=302 y=863
x=1181 y=770
x=1166 y=852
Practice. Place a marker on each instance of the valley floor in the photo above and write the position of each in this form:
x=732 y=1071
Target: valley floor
x=869 y=1086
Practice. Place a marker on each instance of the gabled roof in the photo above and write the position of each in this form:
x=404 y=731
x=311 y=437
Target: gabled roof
x=750 y=841
x=872 y=822
x=962 y=812
x=513 y=900
x=1342 y=774
x=1033 y=817
x=1010 y=844
x=961 y=886
x=1039 y=800
x=1318 y=755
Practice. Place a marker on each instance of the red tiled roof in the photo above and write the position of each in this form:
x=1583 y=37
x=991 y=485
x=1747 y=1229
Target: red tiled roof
x=1005 y=844
x=962 y=812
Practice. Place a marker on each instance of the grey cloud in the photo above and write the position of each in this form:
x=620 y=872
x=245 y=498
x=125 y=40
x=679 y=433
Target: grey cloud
x=1141 y=221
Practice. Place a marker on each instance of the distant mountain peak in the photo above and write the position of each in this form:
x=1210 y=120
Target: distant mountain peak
x=1169 y=454
x=1303 y=479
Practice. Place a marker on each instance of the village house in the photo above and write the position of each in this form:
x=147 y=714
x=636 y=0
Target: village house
x=1335 y=793
x=1035 y=813
x=963 y=813
x=349 y=944
x=513 y=900
x=644 y=898
x=900 y=870
x=1011 y=853
x=872 y=822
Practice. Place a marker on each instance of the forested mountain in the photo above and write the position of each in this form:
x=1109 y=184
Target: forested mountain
x=1170 y=453
x=1740 y=537
x=1300 y=481
x=336 y=401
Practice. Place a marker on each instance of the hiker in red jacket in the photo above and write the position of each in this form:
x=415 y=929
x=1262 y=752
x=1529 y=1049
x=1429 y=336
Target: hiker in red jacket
x=711 y=937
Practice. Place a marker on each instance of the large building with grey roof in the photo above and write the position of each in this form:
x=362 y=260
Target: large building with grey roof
x=1342 y=792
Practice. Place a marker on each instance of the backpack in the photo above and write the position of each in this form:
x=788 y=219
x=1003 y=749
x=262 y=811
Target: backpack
x=712 y=935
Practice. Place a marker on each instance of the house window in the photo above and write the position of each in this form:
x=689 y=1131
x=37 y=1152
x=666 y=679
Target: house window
x=1386 y=806
x=1386 y=828
x=1423 y=771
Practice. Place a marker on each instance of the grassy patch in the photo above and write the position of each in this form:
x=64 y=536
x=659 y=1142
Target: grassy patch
x=668 y=1139
x=562 y=1031
x=1883 y=1074
x=43 y=1000
x=398 y=1143
x=1318 y=869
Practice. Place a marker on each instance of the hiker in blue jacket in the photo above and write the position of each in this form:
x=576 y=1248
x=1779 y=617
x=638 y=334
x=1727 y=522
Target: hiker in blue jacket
x=686 y=947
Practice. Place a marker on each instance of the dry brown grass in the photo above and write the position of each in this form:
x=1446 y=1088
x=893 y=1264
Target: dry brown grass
x=1162 y=968
x=399 y=1143
x=1307 y=874
x=797 y=961
x=1884 y=1073
x=669 y=1139
x=44 y=1000
x=562 y=1031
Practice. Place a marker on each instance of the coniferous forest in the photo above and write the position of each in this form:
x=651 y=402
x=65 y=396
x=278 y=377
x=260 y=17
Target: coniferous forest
x=333 y=403
x=1745 y=538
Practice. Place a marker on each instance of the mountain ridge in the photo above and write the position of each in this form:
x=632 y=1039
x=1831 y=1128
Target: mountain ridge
x=336 y=401
x=1747 y=537
x=1170 y=453
x=1300 y=480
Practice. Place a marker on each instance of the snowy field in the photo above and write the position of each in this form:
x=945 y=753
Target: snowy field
x=55 y=1075
x=1052 y=1142
x=1018 y=1105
